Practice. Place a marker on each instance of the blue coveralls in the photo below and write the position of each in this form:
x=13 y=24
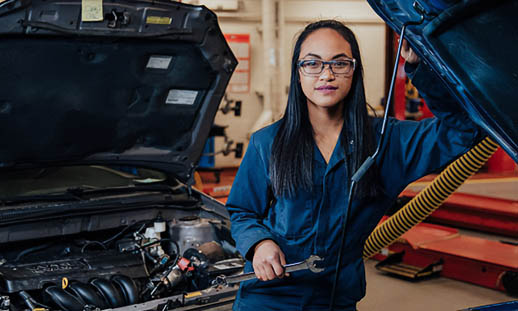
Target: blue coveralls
x=310 y=223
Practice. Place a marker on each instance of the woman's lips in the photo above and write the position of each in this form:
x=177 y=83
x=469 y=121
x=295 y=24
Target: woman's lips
x=326 y=89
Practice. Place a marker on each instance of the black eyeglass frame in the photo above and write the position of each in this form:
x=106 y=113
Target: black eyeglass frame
x=324 y=63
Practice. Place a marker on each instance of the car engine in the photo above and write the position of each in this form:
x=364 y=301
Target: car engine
x=114 y=268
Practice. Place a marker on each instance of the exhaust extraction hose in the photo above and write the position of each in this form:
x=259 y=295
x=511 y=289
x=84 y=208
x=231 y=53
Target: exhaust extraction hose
x=428 y=200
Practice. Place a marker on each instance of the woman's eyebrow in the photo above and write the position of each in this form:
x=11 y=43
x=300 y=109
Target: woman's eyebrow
x=320 y=57
x=311 y=54
x=340 y=55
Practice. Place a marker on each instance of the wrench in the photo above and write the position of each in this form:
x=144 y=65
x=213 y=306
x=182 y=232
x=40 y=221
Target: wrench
x=308 y=264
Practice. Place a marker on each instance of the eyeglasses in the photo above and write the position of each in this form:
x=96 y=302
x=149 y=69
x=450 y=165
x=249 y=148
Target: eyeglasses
x=314 y=67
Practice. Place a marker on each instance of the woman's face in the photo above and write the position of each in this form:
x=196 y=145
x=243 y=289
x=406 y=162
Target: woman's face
x=326 y=89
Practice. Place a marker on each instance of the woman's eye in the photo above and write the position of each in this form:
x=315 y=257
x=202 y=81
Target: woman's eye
x=312 y=64
x=341 y=63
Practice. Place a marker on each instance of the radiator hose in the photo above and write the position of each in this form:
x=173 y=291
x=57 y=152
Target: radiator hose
x=428 y=200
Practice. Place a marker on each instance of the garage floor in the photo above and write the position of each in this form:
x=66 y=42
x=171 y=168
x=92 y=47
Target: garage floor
x=388 y=293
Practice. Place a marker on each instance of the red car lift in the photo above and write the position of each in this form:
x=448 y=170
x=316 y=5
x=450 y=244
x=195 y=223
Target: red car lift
x=477 y=212
x=475 y=260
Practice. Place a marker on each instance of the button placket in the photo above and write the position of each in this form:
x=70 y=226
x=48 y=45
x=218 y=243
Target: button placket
x=318 y=245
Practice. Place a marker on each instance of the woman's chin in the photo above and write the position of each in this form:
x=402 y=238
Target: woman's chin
x=326 y=104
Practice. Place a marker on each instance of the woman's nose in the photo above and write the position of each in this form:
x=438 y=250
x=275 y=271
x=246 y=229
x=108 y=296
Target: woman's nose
x=327 y=73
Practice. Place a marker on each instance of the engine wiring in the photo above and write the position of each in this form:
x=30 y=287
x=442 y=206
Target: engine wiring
x=31 y=302
x=88 y=243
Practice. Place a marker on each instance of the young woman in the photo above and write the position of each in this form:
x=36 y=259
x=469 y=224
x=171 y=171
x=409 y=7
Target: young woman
x=289 y=197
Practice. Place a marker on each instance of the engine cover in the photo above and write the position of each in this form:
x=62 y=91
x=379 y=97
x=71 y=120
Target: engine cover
x=103 y=264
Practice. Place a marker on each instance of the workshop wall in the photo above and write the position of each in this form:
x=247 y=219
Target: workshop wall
x=269 y=76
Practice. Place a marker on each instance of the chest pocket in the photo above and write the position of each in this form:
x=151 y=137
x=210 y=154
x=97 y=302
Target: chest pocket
x=292 y=218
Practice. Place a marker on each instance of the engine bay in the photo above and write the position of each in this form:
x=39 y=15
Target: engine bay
x=96 y=206
x=160 y=259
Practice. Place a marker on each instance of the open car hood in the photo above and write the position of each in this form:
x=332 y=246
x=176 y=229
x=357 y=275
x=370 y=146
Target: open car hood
x=139 y=87
x=473 y=46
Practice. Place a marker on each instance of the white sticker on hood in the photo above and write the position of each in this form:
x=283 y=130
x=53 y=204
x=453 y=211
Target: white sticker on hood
x=181 y=97
x=159 y=62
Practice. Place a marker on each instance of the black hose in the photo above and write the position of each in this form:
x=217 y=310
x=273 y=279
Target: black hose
x=92 y=243
x=30 y=302
x=32 y=249
x=27 y=299
x=106 y=242
x=176 y=246
x=155 y=242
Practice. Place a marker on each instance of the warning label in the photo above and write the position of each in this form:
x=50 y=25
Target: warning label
x=181 y=97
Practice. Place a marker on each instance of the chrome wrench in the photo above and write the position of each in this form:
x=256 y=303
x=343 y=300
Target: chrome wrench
x=308 y=264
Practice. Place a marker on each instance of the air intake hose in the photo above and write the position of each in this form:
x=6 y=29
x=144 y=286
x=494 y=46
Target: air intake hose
x=428 y=200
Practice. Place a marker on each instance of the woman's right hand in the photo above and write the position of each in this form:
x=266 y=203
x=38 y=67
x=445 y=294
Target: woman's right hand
x=408 y=54
x=268 y=261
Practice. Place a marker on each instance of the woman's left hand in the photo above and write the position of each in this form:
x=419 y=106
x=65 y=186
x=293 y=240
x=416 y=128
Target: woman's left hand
x=408 y=54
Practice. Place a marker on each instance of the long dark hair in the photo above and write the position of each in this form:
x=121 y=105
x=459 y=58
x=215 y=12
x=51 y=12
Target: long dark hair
x=292 y=151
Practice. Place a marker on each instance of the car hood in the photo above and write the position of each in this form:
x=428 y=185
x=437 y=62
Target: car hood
x=473 y=46
x=140 y=86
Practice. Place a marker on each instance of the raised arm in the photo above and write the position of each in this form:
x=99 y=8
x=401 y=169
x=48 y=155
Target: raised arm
x=414 y=149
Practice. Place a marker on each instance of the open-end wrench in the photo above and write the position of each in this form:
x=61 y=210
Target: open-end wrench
x=308 y=264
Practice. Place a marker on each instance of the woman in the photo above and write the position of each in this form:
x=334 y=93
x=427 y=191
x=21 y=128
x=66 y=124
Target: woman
x=289 y=197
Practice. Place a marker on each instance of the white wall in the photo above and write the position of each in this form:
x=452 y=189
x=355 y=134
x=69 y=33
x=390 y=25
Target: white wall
x=368 y=27
x=246 y=20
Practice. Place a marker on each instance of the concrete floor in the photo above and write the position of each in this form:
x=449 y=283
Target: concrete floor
x=387 y=293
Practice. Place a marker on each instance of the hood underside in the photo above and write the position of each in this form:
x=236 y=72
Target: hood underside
x=139 y=87
x=473 y=46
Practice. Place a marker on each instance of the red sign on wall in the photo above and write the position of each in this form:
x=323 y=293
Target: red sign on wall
x=240 y=46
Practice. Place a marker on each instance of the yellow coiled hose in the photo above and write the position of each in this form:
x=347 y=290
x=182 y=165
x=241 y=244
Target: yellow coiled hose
x=428 y=200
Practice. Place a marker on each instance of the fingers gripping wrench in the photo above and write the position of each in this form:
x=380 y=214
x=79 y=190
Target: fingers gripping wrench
x=308 y=264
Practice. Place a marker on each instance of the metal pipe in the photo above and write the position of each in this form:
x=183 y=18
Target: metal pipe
x=283 y=71
x=269 y=64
